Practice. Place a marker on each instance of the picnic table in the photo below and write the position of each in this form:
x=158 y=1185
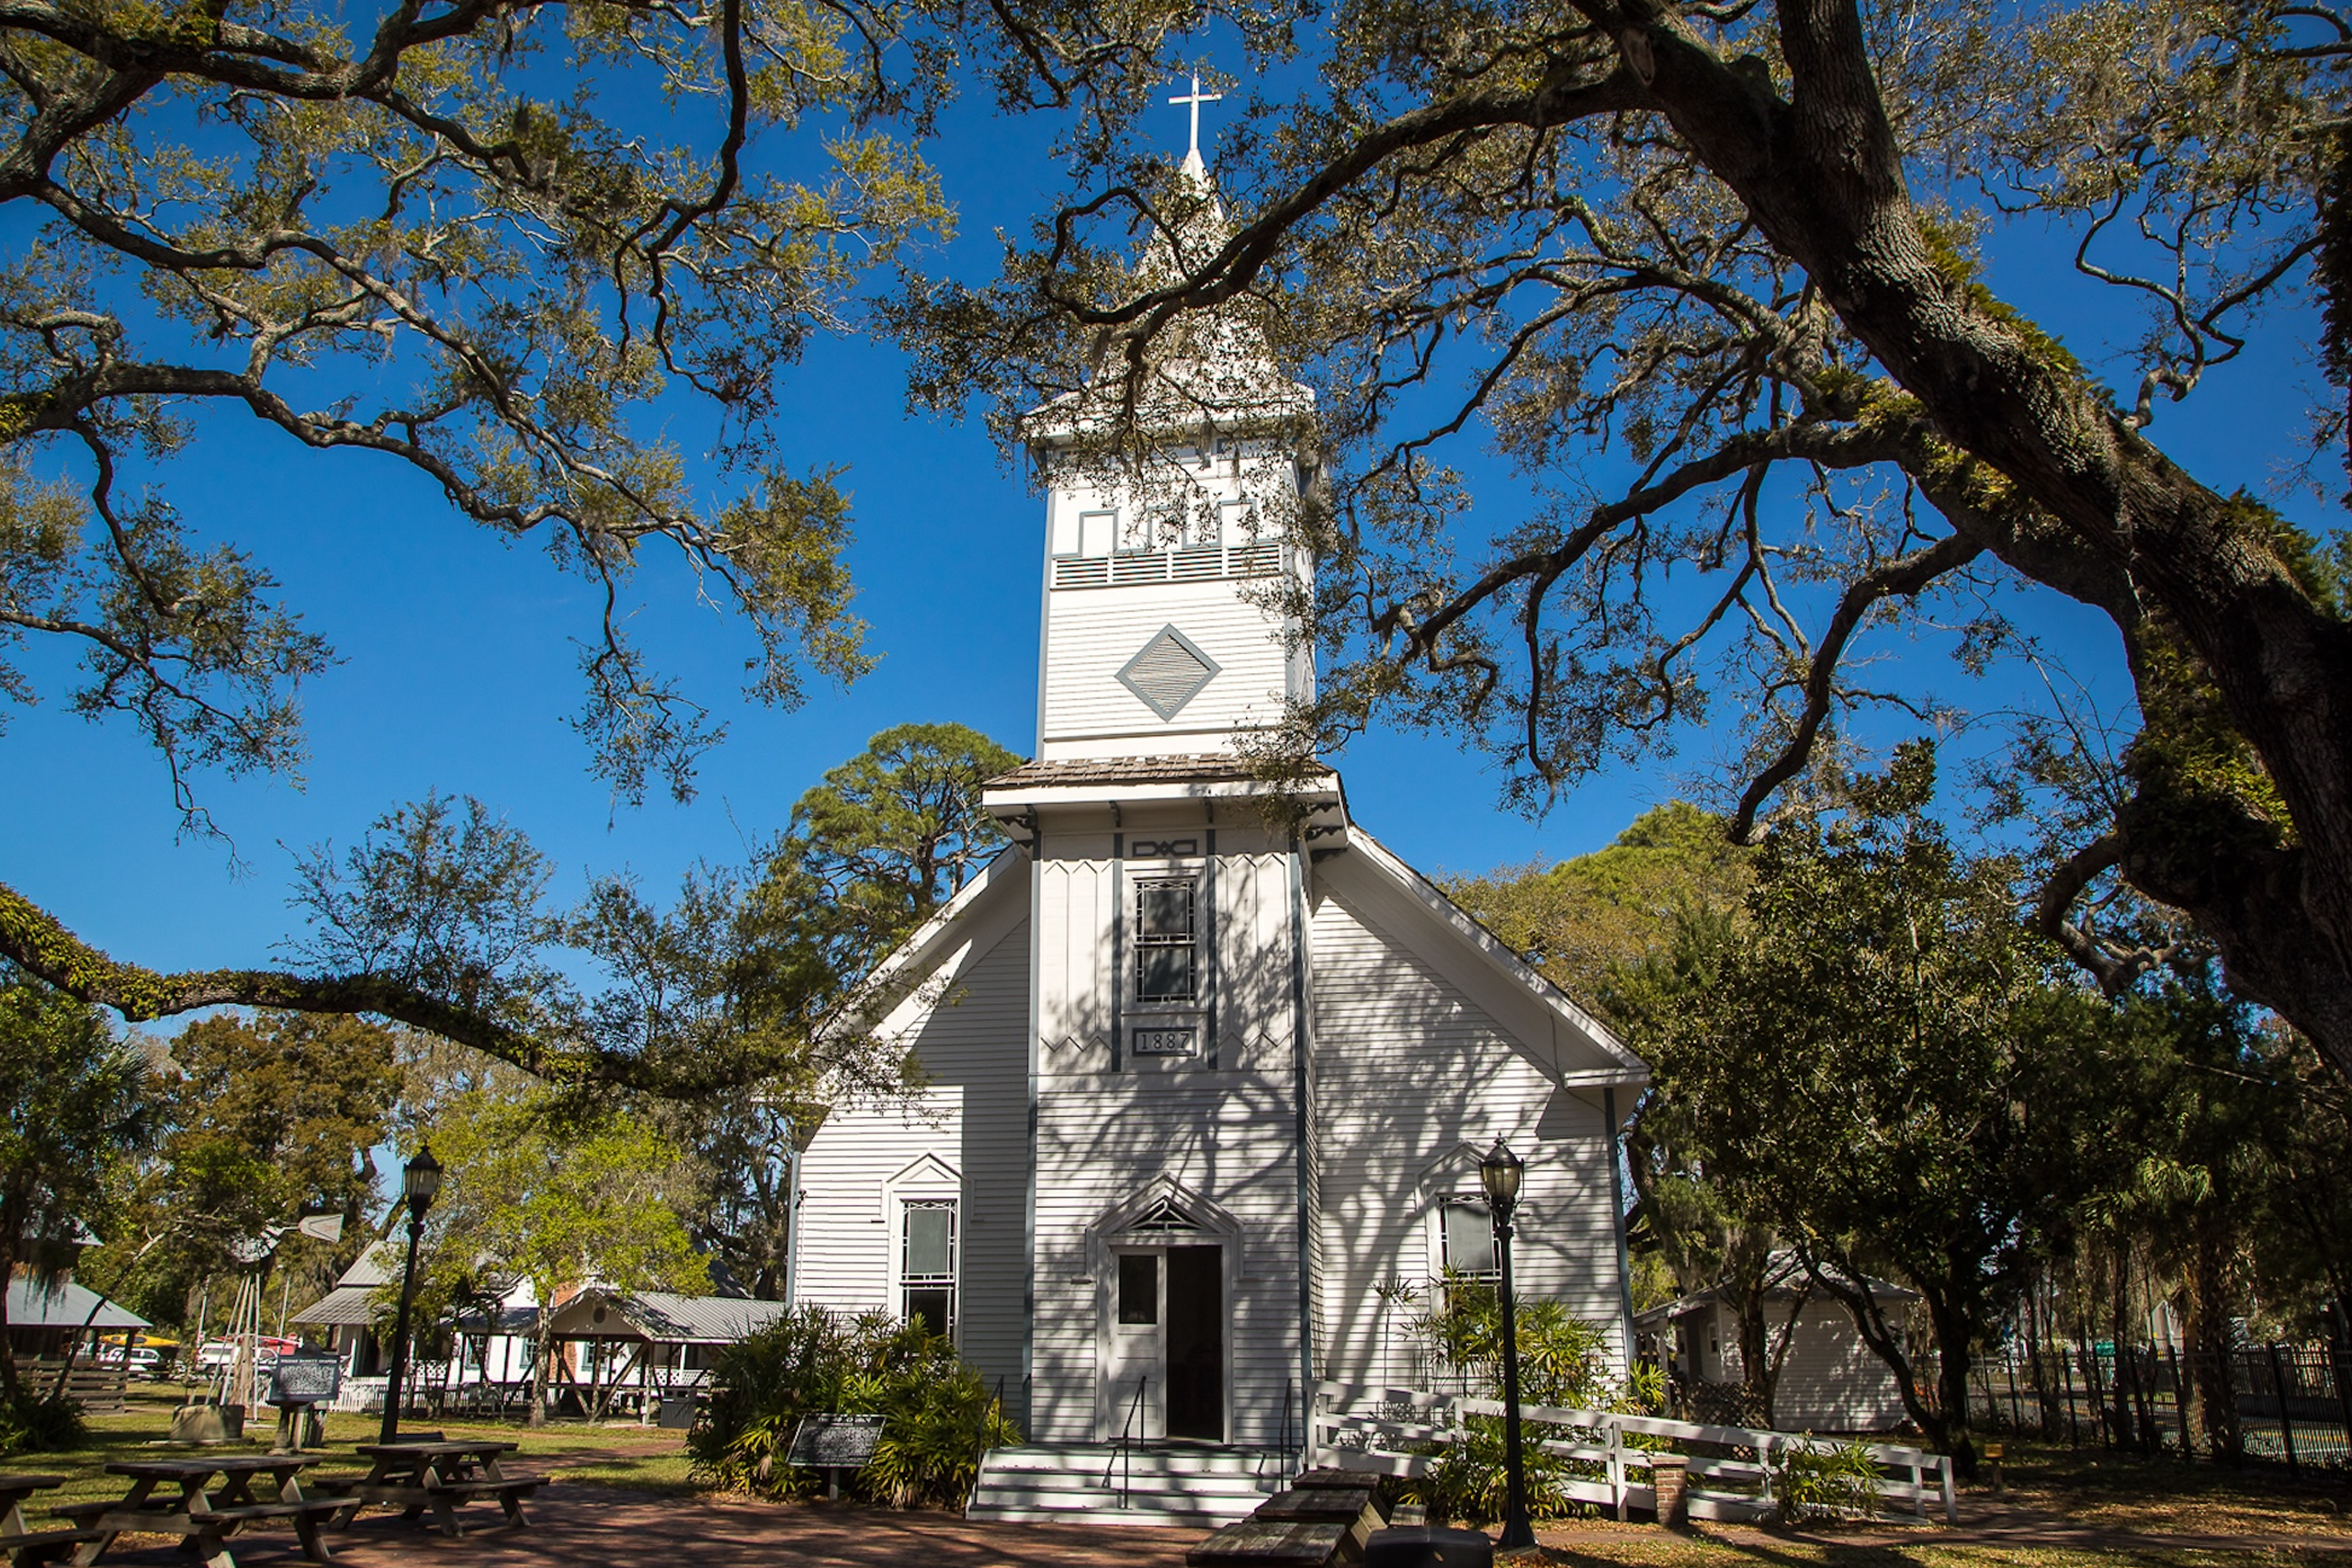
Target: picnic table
x=203 y=1514
x=438 y=1475
x=18 y=1539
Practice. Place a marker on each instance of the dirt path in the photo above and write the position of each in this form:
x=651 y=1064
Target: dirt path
x=1982 y=1522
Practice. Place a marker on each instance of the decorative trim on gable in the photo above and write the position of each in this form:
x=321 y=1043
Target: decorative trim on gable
x=1450 y=1175
x=1155 y=1210
x=926 y=1176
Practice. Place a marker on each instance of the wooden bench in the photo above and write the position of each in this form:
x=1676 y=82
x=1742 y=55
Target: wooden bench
x=245 y=1511
x=1323 y=1518
x=20 y=1541
x=37 y=1546
x=521 y=1486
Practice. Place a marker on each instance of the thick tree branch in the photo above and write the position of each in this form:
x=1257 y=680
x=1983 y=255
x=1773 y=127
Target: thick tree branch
x=1905 y=577
x=38 y=943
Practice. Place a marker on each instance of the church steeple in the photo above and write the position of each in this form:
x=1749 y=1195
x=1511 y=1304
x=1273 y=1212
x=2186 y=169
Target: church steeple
x=1173 y=572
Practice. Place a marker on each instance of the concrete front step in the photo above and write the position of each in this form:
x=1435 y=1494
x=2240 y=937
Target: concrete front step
x=1160 y=1485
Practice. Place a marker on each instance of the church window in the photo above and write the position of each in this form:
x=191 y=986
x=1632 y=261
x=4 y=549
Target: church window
x=927 y=1263
x=1237 y=522
x=1094 y=532
x=1160 y=528
x=1138 y=1287
x=1167 y=941
x=1469 y=1237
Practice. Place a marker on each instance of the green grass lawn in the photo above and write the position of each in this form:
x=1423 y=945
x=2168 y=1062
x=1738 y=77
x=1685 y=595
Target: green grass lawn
x=624 y=1456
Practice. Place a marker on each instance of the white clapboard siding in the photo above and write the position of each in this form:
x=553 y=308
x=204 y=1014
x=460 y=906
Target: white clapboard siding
x=1409 y=1071
x=1091 y=637
x=1223 y=1129
x=972 y=1040
x=1829 y=1381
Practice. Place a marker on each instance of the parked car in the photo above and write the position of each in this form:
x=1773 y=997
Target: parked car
x=218 y=1355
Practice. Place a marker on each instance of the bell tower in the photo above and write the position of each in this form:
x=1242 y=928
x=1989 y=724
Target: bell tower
x=1172 y=576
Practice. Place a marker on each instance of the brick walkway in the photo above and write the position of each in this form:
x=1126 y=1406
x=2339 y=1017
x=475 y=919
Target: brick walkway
x=592 y=1527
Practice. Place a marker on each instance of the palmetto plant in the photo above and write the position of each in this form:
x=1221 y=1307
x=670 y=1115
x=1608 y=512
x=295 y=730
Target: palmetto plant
x=938 y=1415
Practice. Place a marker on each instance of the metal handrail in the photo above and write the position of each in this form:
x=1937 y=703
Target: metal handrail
x=1123 y=1448
x=1293 y=1461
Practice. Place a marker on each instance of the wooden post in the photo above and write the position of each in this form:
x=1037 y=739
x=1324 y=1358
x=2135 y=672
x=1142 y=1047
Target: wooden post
x=1617 y=1470
x=2180 y=1404
x=2286 y=1424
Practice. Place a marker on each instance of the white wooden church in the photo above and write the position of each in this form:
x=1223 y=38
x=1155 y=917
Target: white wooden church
x=1201 y=1081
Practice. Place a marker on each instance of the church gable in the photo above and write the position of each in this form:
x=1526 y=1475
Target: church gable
x=1467 y=971
x=925 y=971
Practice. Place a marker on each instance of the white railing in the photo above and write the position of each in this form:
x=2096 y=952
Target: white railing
x=1393 y=1431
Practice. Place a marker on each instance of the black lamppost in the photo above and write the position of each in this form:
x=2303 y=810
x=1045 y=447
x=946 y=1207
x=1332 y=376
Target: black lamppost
x=419 y=1182
x=1499 y=1173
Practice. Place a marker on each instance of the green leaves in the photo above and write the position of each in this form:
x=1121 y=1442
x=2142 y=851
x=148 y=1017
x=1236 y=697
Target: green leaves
x=1880 y=1063
x=74 y=1102
x=939 y=1414
x=555 y=1194
x=452 y=239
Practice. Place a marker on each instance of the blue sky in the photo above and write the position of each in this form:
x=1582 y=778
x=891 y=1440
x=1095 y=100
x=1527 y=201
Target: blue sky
x=458 y=673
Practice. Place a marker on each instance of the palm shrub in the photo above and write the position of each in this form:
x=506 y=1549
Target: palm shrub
x=938 y=1415
x=1824 y=1480
x=1562 y=1362
x=32 y=1424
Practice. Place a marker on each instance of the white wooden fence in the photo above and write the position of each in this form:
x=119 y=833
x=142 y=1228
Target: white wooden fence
x=1378 y=1431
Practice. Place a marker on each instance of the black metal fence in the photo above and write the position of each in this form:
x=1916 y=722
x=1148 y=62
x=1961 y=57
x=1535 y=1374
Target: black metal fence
x=2291 y=1404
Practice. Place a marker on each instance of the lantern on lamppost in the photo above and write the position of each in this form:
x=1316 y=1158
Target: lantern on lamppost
x=419 y=1184
x=1499 y=1174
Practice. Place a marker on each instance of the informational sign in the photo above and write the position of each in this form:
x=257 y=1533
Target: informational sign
x=834 y=1442
x=305 y=1378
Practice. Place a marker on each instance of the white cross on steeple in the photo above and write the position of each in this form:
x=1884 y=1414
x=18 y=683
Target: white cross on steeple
x=1196 y=99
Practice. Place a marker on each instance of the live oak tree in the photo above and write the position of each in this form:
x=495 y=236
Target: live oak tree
x=74 y=1102
x=1581 y=919
x=752 y=981
x=1707 y=271
x=474 y=241
x=1885 y=1067
x=557 y=1195
x=259 y=1120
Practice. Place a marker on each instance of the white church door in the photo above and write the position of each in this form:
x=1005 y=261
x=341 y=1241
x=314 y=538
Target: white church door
x=1168 y=1343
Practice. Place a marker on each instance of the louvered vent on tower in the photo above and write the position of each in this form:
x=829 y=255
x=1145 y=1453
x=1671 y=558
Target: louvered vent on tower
x=1168 y=671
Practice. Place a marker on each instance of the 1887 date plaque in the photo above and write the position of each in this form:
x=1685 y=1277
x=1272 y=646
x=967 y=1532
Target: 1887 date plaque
x=834 y=1442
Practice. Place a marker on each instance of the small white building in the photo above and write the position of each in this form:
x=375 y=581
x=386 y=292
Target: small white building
x=1207 y=1064
x=492 y=1344
x=1829 y=1381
